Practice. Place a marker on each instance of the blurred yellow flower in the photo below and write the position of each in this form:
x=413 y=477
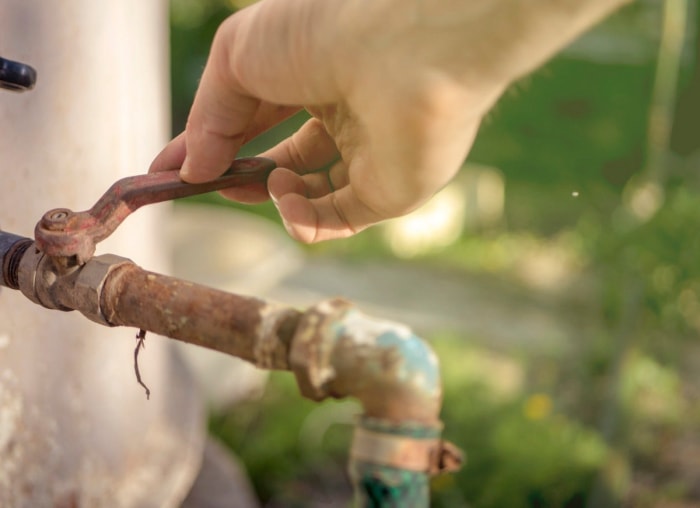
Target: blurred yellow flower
x=443 y=482
x=538 y=406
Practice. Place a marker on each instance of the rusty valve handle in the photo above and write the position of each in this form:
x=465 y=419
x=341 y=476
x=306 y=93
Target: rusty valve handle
x=70 y=237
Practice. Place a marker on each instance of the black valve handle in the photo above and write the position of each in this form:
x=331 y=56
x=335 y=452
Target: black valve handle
x=16 y=76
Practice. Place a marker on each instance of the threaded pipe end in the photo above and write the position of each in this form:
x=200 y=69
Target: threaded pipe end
x=10 y=266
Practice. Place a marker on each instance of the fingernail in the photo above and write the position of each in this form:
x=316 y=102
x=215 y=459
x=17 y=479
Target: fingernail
x=277 y=206
x=284 y=221
x=185 y=171
x=287 y=227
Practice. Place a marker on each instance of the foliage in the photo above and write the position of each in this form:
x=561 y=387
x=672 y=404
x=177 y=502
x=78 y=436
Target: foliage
x=287 y=442
x=572 y=142
x=521 y=450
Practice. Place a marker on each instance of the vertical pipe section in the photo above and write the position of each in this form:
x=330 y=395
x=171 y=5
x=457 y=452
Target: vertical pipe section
x=390 y=463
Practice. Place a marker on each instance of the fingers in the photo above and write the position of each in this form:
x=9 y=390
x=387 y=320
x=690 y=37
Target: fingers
x=338 y=214
x=215 y=130
x=315 y=204
x=221 y=114
x=311 y=185
x=304 y=152
x=268 y=115
x=421 y=149
x=171 y=157
x=320 y=206
x=255 y=58
x=308 y=149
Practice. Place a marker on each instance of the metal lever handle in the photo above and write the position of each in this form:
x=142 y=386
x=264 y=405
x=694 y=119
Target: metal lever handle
x=70 y=237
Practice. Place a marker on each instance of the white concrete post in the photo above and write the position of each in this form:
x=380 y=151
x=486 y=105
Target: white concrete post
x=75 y=428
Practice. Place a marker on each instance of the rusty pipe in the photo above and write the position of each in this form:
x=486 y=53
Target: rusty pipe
x=339 y=352
x=113 y=291
x=249 y=328
x=333 y=350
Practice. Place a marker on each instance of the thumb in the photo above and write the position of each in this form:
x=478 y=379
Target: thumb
x=339 y=214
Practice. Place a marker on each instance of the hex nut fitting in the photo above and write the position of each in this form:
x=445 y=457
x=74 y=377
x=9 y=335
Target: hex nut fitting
x=29 y=267
x=88 y=284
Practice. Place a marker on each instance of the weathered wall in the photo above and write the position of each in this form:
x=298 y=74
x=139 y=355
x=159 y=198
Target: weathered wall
x=75 y=428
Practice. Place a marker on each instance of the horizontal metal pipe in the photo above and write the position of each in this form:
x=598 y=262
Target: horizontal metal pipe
x=252 y=329
x=113 y=291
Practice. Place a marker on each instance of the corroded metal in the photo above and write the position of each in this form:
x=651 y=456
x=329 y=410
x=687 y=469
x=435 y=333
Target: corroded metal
x=246 y=327
x=395 y=450
x=70 y=237
x=406 y=445
x=340 y=352
x=379 y=477
x=391 y=462
x=12 y=248
x=86 y=285
x=40 y=280
x=113 y=291
x=333 y=350
x=310 y=356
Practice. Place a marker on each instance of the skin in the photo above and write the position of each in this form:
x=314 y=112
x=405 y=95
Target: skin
x=396 y=90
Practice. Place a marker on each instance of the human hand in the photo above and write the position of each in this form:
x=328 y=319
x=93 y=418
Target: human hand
x=396 y=90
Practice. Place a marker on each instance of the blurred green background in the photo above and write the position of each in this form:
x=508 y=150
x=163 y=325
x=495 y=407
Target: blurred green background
x=581 y=196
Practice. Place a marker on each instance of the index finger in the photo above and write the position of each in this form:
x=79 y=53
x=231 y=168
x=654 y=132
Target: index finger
x=216 y=126
x=263 y=52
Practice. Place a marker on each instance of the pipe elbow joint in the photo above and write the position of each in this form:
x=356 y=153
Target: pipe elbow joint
x=340 y=352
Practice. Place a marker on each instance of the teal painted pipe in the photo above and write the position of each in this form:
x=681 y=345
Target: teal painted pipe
x=400 y=482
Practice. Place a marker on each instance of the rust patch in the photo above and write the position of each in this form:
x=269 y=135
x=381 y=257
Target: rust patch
x=71 y=237
x=242 y=326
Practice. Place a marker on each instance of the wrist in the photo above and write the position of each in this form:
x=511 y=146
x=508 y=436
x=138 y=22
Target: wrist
x=513 y=37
